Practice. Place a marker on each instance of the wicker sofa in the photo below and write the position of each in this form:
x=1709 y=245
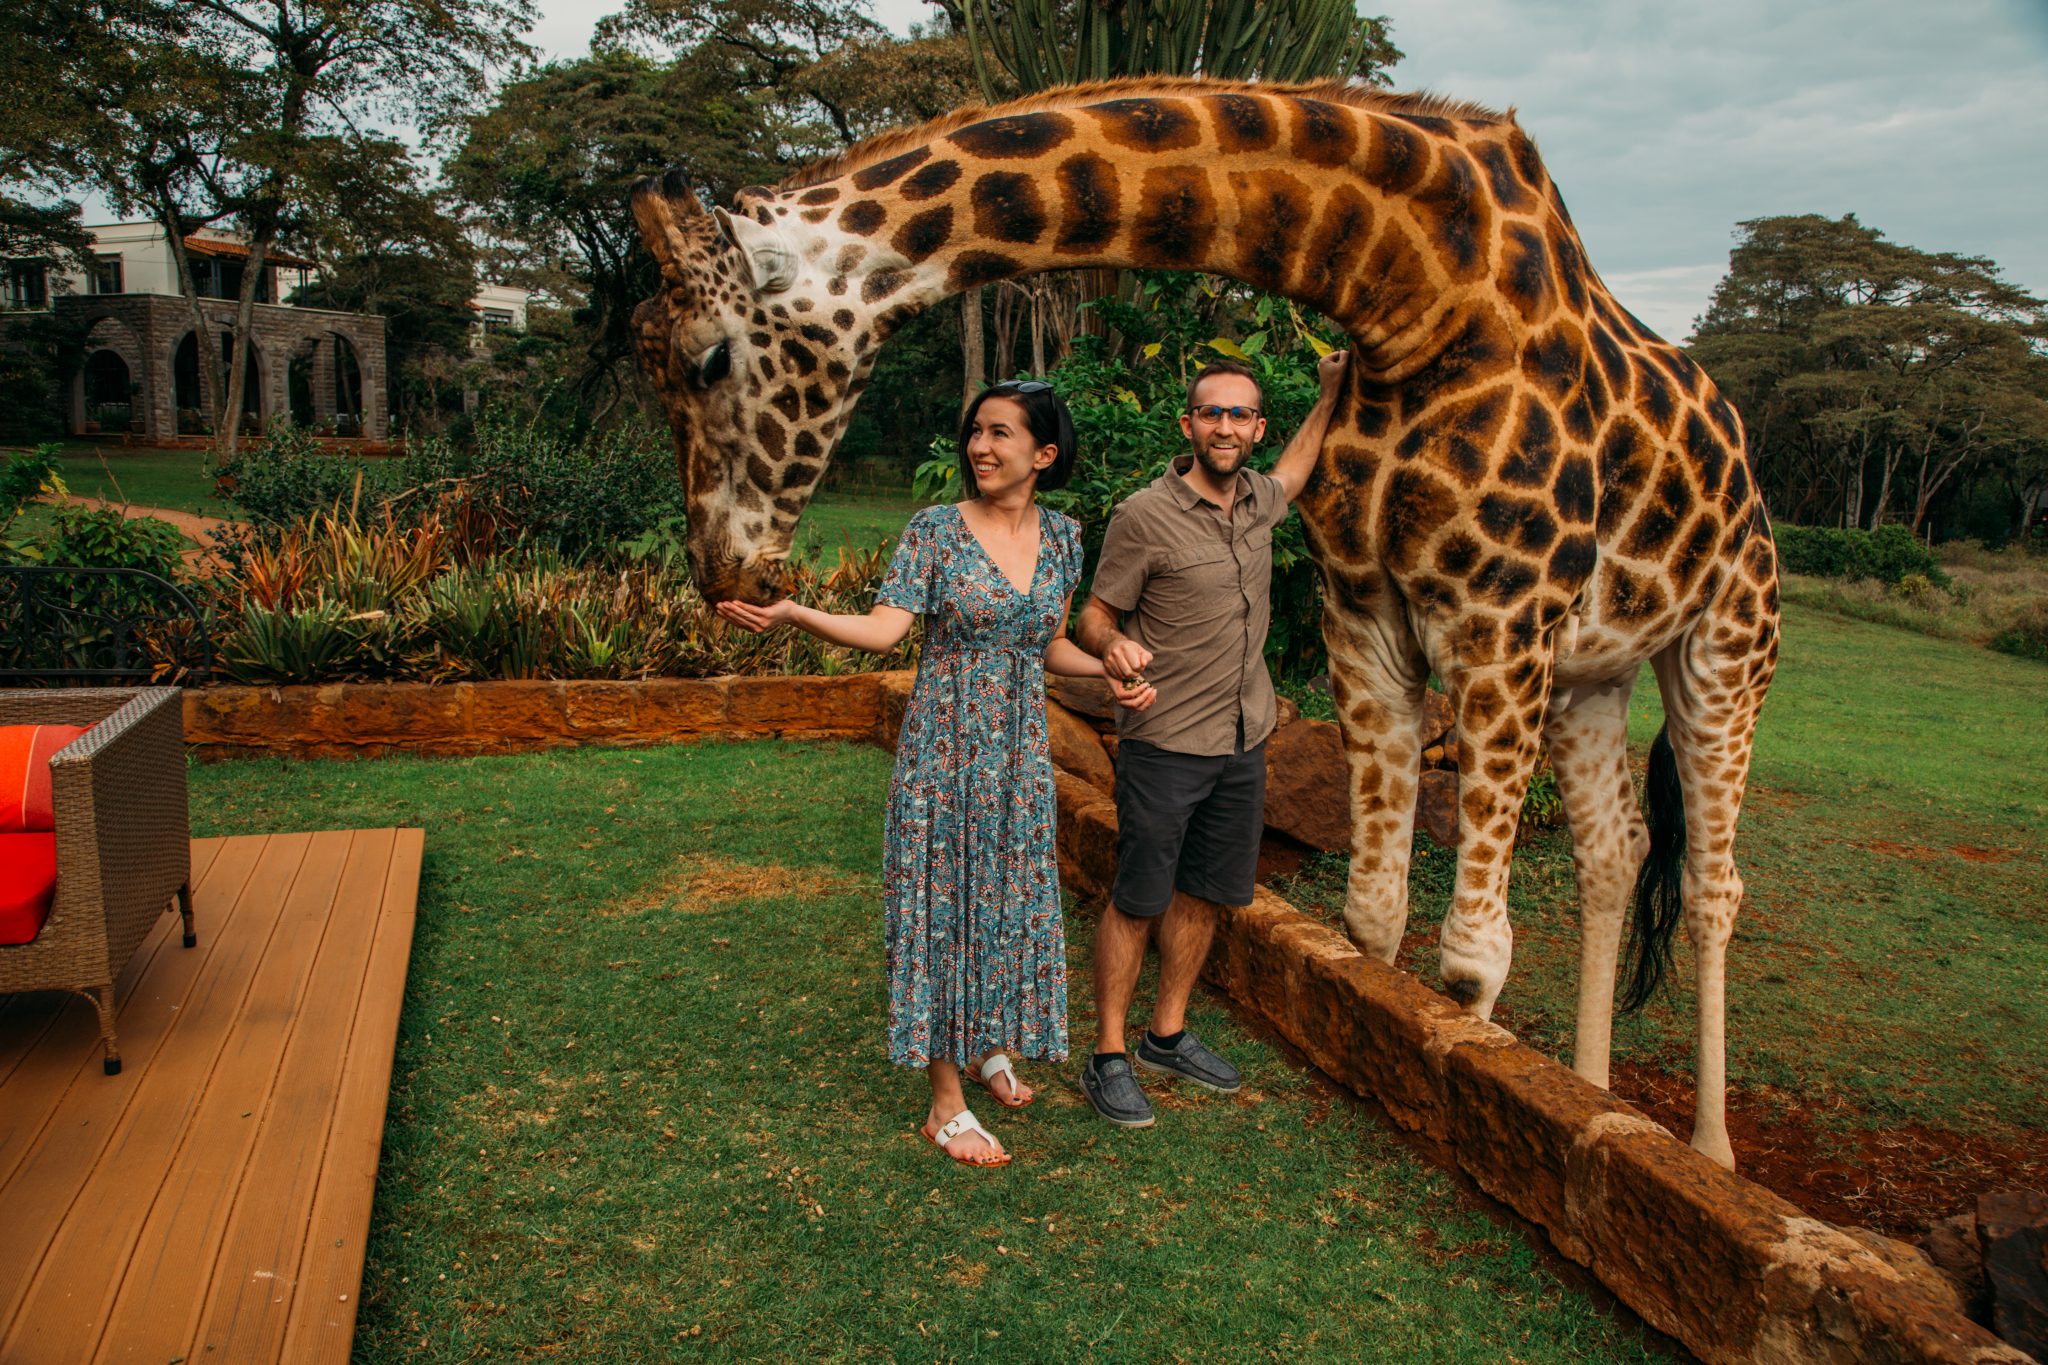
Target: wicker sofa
x=123 y=839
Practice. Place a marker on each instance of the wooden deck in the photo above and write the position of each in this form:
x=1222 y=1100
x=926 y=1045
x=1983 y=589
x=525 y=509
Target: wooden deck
x=212 y=1202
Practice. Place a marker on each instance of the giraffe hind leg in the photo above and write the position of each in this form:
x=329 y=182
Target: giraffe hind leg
x=1713 y=681
x=1587 y=734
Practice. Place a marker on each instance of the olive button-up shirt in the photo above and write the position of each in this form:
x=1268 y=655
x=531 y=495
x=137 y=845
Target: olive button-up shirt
x=1193 y=584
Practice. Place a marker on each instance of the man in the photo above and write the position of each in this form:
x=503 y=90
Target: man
x=1180 y=605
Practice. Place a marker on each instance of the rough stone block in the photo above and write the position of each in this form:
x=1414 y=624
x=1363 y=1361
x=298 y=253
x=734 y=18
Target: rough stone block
x=517 y=714
x=678 y=708
x=848 y=706
x=597 y=711
x=1436 y=806
x=1308 y=788
x=1077 y=749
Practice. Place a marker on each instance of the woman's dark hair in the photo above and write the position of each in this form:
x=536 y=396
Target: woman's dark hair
x=1047 y=416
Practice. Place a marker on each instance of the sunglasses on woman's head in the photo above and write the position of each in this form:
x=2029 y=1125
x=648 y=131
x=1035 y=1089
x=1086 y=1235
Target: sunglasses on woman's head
x=1022 y=386
x=1212 y=414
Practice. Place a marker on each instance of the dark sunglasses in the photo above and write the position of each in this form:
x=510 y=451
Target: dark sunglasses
x=1212 y=414
x=1021 y=386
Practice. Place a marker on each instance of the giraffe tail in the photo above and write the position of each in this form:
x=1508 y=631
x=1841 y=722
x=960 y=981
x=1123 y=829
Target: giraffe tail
x=1658 y=901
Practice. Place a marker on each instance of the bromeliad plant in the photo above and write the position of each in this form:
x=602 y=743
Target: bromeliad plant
x=329 y=600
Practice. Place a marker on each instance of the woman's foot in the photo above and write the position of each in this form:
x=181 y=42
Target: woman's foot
x=995 y=1074
x=961 y=1137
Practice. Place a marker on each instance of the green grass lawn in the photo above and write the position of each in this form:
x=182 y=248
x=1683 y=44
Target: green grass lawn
x=1893 y=942
x=837 y=521
x=178 y=479
x=641 y=1111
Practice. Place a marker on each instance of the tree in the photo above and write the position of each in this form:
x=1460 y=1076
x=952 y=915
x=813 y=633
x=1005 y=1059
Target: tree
x=390 y=246
x=1871 y=375
x=740 y=94
x=1041 y=43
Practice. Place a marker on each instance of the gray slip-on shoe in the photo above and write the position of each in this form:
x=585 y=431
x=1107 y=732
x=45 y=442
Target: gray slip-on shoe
x=1112 y=1087
x=1190 y=1061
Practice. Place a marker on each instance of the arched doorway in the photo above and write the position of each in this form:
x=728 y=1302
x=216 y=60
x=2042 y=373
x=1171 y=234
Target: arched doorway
x=109 y=391
x=348 y=389
x=191 y=393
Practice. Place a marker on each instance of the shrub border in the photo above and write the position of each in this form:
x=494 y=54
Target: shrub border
x=1722 y=1264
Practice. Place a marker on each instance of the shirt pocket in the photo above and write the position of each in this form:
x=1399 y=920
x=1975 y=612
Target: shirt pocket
x=1195 y=583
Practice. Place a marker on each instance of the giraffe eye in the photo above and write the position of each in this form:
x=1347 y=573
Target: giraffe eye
x=714 y=365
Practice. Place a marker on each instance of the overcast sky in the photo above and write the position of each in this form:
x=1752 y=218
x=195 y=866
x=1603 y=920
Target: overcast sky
x=1665 y=124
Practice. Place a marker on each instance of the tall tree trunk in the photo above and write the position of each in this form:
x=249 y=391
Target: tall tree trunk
x=238 y=366
x=206 y=354
x=973 y=355
x=1038 y=306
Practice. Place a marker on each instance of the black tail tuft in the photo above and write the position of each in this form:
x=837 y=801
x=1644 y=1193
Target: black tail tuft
x=1659 y=903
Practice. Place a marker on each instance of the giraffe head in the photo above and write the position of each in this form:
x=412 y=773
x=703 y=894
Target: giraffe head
x=757 y=345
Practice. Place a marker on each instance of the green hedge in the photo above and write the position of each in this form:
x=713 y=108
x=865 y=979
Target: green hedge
x=1887 y=554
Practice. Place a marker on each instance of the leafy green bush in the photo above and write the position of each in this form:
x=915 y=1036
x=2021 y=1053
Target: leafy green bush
x=2026 y=637
x=288 y=475
x=515 y=483
x=1888 y=554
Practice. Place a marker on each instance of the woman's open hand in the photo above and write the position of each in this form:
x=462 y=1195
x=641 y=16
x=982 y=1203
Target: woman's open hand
x=747 y=616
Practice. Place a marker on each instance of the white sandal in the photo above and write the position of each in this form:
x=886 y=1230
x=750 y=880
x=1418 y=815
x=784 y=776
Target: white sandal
x=965 y=1122
x=998 y=1064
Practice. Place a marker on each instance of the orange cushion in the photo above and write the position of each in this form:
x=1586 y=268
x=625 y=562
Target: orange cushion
x=28 y=882
x=25 y=752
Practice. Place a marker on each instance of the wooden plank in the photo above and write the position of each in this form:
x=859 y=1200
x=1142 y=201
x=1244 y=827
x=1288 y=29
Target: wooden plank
x=170 y=1261
x=25 y=1018
x=253 y=1205
x=330 y=1278
x=60 y=1315
x=61 y=1088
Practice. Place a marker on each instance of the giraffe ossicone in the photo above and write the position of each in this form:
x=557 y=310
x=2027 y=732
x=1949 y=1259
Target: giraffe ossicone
x=1524 y=491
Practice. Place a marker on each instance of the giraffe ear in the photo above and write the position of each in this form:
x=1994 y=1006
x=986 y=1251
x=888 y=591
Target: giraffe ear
x=771 y=265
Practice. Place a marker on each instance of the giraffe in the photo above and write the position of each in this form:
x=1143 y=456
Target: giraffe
x=1523 y=490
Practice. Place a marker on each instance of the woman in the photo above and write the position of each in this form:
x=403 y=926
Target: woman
x=976 y=948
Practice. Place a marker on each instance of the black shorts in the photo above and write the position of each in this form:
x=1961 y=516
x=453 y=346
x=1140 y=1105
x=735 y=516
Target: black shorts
x=1188 y=823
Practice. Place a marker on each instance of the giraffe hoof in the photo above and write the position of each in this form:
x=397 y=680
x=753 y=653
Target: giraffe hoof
x=1465 y=990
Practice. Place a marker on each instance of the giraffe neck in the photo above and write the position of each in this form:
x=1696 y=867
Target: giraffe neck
x=1372 y=217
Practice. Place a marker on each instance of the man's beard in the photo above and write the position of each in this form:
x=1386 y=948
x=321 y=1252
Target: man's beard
x=1216 y=465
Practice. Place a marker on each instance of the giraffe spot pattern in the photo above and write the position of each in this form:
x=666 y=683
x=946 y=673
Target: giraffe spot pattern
x=888 y=172
x=971 y=268
x=931 y=181
x=1147 y=125
x=1089 y=211
x=923 y=233
x=1324 y=134
x=1014 y=136
x=1242 y=124
x=1272 y=210
x=1007 y=207
x=1177 y=217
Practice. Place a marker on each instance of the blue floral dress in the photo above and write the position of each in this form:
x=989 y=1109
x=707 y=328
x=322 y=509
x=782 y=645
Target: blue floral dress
x=977 y=953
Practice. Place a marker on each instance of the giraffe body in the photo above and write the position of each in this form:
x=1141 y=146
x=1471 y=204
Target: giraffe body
x=1523 y=490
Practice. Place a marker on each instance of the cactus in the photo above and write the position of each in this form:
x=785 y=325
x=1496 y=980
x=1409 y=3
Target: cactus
x=1041 y=43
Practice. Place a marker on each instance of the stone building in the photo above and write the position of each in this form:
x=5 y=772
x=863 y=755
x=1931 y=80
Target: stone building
x=140 y=369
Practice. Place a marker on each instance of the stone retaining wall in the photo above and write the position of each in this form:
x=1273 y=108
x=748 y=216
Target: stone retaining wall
x=1723 y=1265
x=363 y=720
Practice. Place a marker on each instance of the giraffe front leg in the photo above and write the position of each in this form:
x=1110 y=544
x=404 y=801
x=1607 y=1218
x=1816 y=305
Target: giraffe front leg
x=1377 y=679
x=1587 y=731
x=1500 y=716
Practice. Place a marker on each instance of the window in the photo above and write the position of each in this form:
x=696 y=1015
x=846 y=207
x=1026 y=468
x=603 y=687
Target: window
x=23 y=284
x=497 y=319
x=107 y=276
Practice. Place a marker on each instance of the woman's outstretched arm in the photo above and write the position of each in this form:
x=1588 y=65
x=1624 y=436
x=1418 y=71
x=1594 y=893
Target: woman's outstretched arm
x=878 y=632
